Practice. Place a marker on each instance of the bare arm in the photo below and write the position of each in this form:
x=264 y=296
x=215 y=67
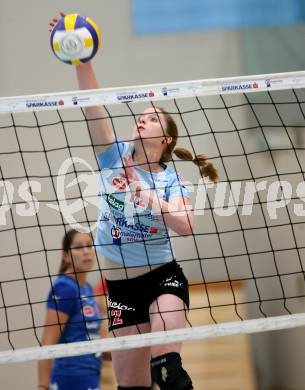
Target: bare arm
x=51 y=335
x=177 y=213
x=101 y=132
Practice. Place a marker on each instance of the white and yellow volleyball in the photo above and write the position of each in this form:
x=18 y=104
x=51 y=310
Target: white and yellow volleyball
x=75 y=39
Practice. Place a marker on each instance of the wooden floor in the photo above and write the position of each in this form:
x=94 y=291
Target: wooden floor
x=108 y=381
x=216 y=364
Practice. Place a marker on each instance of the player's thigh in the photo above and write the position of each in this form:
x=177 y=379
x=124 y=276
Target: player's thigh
x=167 y=312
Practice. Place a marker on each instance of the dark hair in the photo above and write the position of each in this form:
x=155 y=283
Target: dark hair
x=66 y=247
x=206 y=168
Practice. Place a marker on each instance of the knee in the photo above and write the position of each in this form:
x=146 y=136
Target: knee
x=168 y=373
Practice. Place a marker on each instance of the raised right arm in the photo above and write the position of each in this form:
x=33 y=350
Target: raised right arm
x=101 y=132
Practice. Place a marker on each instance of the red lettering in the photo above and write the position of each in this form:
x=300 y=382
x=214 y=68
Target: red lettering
x=116 y=314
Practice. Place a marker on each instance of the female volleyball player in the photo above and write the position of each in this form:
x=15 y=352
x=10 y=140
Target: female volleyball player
x=72 y=315
x=141 y=198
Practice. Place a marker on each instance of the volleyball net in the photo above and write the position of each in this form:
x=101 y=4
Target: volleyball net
x=249 y=229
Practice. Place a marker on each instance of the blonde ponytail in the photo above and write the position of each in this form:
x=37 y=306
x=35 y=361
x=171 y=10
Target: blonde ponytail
x=206 y=168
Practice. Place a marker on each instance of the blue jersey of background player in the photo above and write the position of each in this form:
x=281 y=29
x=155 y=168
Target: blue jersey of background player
x=72 y=304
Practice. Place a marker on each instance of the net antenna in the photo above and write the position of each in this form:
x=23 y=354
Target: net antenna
x=249 y=235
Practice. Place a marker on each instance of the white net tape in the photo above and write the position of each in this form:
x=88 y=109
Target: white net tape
x=150 y=339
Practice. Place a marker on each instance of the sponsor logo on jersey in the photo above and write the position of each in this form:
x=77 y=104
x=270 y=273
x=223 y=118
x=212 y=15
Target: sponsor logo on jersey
x=153 y=230
x=92 y=325
x=122 y=222
x=119 y=183
x=116 y=234
x=137 y=201
x=115 y=203
x=108 y=216
x=88 y=311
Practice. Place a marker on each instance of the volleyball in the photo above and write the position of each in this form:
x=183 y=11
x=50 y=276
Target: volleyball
x=75 y=39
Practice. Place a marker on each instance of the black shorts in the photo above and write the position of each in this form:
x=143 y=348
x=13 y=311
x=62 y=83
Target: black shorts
x=129 y=300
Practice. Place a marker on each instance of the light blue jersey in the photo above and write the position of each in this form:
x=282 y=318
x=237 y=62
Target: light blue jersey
x=128 y=232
